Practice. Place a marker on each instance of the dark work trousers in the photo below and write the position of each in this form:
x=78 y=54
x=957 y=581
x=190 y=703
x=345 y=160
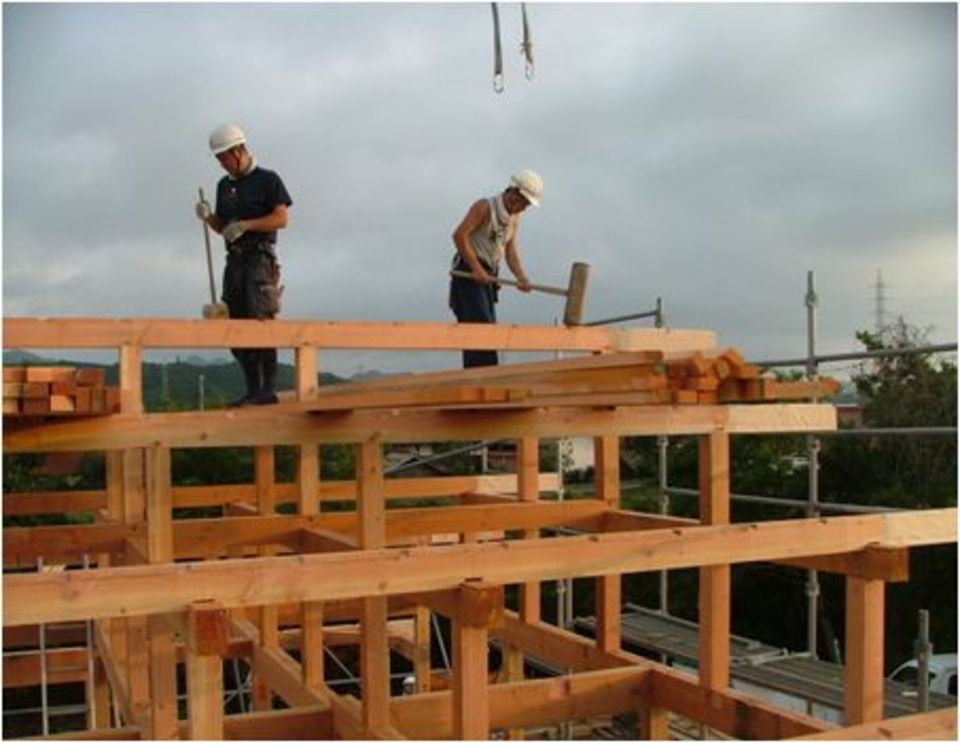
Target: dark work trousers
x=474 y=302
x=250 y=282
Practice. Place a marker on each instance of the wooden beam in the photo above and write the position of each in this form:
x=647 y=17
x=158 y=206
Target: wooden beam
x=372 y=534
x=891 y=564
x=471 y=703
x=64 y=665
x=253 y=426
x=206 y=642
x=938 y=725
x=863 y=672
x=164 y=333
x=75 y=595
x=528 y=468
x=607 y=593
x=714 y=596
x=732 y=712
x=528 y=704
x=301 y=723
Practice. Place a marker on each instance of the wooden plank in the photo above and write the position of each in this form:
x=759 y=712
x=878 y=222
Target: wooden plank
x=254 y=426
x=168 y=333
x=938 y=725
x=35 y=598
x=863 y=672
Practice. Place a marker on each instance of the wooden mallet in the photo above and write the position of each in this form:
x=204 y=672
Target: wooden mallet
x=576 y=291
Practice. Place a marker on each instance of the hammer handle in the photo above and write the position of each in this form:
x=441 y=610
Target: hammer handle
x=511 y=282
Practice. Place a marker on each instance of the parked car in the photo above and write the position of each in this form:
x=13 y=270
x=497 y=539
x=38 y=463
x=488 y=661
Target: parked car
x=942 y=673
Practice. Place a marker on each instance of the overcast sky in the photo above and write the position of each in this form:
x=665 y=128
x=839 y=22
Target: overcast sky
x=707 y=154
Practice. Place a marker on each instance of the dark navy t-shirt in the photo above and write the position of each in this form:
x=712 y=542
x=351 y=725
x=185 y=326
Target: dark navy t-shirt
x=254 y=195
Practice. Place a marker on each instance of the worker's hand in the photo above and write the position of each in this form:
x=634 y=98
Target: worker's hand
x=482 y=277
x=203 y=211
x=523 y=284
x=234 y=231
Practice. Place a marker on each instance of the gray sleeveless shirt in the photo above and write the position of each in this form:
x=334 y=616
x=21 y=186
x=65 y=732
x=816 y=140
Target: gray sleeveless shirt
x=490 y=240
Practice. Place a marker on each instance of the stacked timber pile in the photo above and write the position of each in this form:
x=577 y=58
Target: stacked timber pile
x=631 y=378
x=57 y=390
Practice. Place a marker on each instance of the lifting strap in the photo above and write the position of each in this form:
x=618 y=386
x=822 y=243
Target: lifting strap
x=526 y=48
x=497 y=52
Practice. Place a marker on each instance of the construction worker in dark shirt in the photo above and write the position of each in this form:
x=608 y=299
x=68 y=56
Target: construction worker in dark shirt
x=252 y=204
x=485 y=236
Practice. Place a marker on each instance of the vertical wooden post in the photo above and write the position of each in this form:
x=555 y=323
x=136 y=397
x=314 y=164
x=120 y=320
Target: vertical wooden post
x=512 y=671
x=471 y=695
x=311 y=648
x=374 y=645
x=163 y=659
x=714 y=471
x=606 y=479
x=98 y=690
x=138 y=671
x=421 y=658
x=206 y=643
x=528 y=483
x=264 y=479
x=308 y=461
x=864 y=650
x=653 y=723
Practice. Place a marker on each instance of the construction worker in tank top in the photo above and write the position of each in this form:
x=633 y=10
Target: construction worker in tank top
x=252 y=205
x=486 y=236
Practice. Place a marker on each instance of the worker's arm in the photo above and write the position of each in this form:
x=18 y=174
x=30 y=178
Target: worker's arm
x=275 y=220
x=513 y=260
x=478 y=215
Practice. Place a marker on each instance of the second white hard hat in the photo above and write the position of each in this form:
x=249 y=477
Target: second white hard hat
x=226 y=137
x=530 y=185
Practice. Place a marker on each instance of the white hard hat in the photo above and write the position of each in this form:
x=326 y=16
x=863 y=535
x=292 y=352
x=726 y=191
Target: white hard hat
x=530 y=185
x=226 y=137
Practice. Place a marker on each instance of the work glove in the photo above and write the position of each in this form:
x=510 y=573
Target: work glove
x=203 y=210
x=233 y=232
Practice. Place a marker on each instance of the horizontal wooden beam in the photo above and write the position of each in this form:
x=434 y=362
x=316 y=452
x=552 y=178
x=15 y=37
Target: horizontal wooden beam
x=23 y=545
x=727 y=711
x=253 y=426
x=27 y=333
x=64 y=665
x=938 y=725
x=199 y=496
x=881 y=563
x=71 y=595
x=732 y=712
x=525 y=704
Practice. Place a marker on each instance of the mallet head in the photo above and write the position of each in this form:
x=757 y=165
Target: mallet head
x=576 y=294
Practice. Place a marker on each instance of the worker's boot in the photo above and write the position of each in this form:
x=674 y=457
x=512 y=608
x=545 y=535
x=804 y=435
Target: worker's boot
x=267 y=367
x=251 y=376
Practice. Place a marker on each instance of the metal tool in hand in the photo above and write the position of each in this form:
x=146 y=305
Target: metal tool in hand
x=215 y=309
x=575 y=292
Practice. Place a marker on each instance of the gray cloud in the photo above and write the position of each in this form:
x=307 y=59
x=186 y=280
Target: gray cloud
x=708 y=154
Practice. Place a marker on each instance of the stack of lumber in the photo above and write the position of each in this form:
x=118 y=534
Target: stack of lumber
x=632 y=378
x=57 y=390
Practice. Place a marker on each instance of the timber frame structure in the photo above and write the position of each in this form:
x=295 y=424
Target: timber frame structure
x=255 y=583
